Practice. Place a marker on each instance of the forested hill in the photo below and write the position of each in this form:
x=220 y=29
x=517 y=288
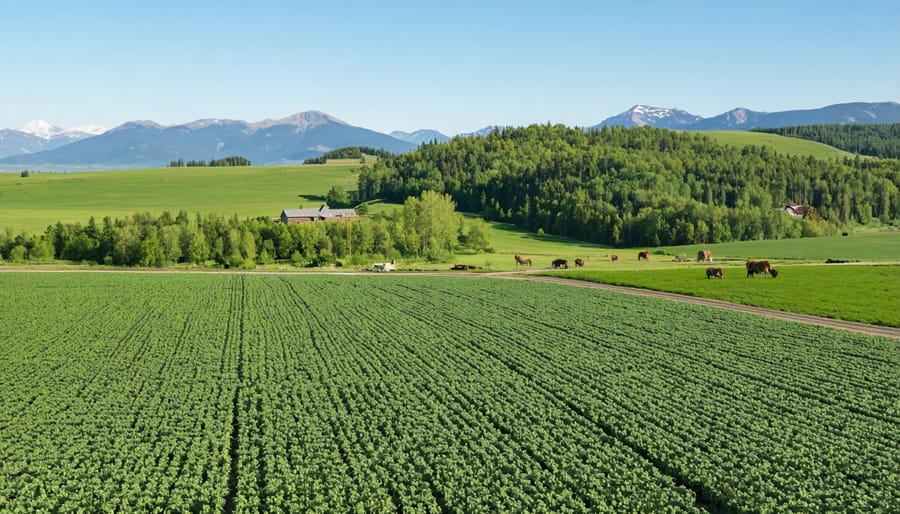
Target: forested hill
x=875 y=140
x=640 y=186
x=349 y=152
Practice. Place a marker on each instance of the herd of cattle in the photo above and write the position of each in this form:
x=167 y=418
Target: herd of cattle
x=754 y=266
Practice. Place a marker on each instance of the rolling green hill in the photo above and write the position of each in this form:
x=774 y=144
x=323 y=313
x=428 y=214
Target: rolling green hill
x=781 y=144
x=31 y=203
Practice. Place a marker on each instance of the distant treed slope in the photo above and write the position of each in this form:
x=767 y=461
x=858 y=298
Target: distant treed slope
x=350 y=152
x=640 y=186
x=875 y=140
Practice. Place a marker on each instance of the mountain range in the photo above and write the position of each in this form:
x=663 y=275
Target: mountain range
x=745 y=119
x=40 y=135
x=312 y=133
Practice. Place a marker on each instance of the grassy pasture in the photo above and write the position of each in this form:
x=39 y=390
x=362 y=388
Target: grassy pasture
x=351 y=162
x=508 y=240
x=781 y=144
x=867 y=294
x=32 y=203
x=873 y=246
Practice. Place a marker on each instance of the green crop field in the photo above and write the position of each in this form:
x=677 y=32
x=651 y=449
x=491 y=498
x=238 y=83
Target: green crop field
x=868 y=294
x=32 y=203
x=137 y=392
x=781 y=144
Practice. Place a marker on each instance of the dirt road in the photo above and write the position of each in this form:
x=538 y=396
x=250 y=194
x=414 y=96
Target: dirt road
x=862 y=328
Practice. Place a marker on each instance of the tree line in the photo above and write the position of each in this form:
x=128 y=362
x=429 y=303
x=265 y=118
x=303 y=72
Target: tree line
x=234 y=160
x=349 y=152
x=882 y=140
x=640 y=186
x=427 y=227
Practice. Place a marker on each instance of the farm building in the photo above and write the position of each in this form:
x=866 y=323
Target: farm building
x=794 y=210
x=323 y=213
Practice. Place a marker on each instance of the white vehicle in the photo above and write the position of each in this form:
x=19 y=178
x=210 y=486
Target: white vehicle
x=383 y=266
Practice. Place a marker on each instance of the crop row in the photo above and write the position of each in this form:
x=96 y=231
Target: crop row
x=242 y=393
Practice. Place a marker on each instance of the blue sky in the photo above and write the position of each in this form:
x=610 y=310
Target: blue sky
x=453 y=66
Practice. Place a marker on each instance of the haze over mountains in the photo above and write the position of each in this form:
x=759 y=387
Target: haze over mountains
x=312 y=133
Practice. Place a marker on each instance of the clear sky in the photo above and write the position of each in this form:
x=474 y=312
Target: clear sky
x=452 y=65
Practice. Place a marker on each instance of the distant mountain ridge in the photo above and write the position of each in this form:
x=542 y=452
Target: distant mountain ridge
x=746 y=119
x=291 y=139
x=420 y=136
x=40 y=135
x=311 y=133
x=660 y=117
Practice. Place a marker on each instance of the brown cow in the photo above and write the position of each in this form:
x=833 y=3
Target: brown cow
x=614 y=257
x=758 y=266
x=704 y=256
x=522 y=261
x=644 y=256
x=579 y=263
x=560 y=264
x=715 y=272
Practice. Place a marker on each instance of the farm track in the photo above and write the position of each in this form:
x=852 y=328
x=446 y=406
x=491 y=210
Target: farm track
x=850 y=326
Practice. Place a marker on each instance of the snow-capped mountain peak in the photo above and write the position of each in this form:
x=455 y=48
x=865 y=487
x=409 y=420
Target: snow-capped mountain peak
x=93 y=129
x=46 y=130
x=42 y=129
x=641 y=115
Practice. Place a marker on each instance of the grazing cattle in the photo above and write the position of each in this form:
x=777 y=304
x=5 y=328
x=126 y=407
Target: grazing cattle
x=774 y=272
x=614 y=257
x=463 y=267
x=715 y=272
x=579 y=263
x=560 y=264
x=755 y=266
x=704 y=256
x=522 y=261
x=644 y=256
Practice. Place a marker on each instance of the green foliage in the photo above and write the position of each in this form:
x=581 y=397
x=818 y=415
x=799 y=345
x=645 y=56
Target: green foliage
x=881 y=140
x=478 y=236
x=638 y=187
x=199 y=392
x=431 y=225
x=337 y=197
x=235 y=160
x=18 y=253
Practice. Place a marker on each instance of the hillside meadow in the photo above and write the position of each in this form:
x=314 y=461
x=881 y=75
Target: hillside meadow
x=41 y=199
x=781 y=144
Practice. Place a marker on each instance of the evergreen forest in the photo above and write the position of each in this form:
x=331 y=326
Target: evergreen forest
x=641 y=186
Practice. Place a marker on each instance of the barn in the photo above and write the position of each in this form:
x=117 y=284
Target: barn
x=798 y=211
x=323 y=213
